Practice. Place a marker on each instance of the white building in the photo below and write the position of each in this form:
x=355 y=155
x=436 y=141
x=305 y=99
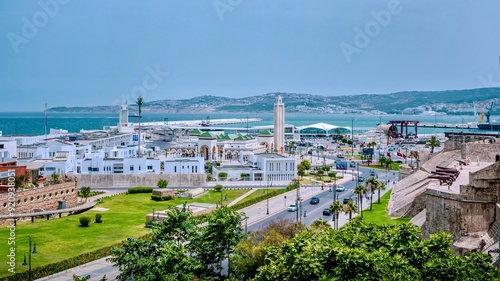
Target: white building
x=62 y=163
x=8 y=149
x=97 y=165
x=184 y=165
x=274 y=166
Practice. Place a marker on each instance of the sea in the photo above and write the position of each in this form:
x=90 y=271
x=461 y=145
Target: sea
x=33 y=123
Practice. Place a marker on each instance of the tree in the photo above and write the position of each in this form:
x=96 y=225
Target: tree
x=350 y=208
x=320 y=224
x=218 y=187
x=335 y=208
x=360 y=190
x=306 y=164
x=301 y=171
x=380 y=186
x=332 y=175
x=139 y=102
x=85 y=192
x=372 y=184
x=433 y=142
x=55 y=178
x=389 y=136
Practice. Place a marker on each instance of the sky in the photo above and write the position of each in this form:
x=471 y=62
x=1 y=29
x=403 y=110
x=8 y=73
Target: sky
x=85 y=53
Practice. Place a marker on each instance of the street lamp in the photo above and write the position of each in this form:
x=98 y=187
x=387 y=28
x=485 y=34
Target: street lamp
x=297 y=187
x=352 y=137
x=267 y=195
x=34 y=252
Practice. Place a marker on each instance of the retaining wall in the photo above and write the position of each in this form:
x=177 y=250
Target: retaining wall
x=131 y=180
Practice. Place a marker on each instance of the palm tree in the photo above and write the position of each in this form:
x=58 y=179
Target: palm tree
x=433 y=142
x=372 y=183
x=336 y=208
x=350 y=208
x=380 y=186
x=389 y=136
x=139 y=102
x=360 y=190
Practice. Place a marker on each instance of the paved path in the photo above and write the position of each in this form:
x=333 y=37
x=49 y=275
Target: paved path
x=255 y=213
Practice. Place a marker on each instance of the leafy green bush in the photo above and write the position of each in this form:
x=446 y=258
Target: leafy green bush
x=84 y=221
x=167 y=197
x=98 y=218
x=222 y=175
x=209 y=177
x=162 y=183
x=140 y=189
x=218 y=187
x=156 y=197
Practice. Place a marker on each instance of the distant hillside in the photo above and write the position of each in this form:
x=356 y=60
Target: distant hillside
x=411 y=102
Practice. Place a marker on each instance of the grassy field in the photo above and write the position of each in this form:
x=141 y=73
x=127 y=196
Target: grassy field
x=378 y=214
x=63 y=238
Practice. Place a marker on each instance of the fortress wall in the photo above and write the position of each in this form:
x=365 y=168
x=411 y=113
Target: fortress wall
x=132 y=180
x=47 y=197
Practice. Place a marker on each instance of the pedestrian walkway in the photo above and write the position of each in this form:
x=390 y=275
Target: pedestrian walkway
x=241 y=197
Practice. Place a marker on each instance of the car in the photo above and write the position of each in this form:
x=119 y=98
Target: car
x=361 y=178
x=352 y=164
x=340 y=155
x=340 y=188
x=372 y=173
x=292 y=208
x=326 y=212
x=314 y=200
x=346 y=200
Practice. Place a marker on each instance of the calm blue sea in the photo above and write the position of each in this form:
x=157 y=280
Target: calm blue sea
x=32 y=123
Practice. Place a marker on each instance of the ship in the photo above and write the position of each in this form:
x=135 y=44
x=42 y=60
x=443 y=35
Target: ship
x=492 y=126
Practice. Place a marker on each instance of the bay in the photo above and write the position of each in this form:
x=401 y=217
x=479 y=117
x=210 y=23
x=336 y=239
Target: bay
x=32 y=123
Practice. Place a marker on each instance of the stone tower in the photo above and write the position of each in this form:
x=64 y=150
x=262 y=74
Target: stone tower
x=279 y=125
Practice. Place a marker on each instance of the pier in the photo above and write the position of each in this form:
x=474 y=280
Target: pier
x=450 y=126
x=197 y=123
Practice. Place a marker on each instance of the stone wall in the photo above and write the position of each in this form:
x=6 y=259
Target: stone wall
x=131 y=180
x=473 y=210
x=47 y=198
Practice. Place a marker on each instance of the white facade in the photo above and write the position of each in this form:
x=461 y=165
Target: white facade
x=279 y=125
x=274 y=167
x=184 y=165
x=8 y=149
x=103 y=166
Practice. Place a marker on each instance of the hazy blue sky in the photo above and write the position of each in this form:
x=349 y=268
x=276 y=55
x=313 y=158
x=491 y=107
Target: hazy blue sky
x=79 y=53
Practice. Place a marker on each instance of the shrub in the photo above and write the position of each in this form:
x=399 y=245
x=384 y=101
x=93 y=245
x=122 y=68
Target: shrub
x=222 y=175
x=217 y=164
x=218 y=187
x=98 y=218
x=140 y=189
x=162 y=183
x=156 y=197
x=84 y=221
x=166 y=197
x=209 y=177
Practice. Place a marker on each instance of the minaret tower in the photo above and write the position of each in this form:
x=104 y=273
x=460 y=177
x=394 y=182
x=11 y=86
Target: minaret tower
x=279 y=125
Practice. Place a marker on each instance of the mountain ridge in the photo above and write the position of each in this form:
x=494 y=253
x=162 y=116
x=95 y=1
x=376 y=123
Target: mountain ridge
x=406 y=102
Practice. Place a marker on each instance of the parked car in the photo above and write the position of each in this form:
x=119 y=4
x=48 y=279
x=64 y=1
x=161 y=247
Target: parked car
x=340 y=155
x=352 y=164
x=326 y=212
x=372 y=173
x=346 y=200
x=361 y=179
x=292 y=208
x=314 y=200
x=340 y=188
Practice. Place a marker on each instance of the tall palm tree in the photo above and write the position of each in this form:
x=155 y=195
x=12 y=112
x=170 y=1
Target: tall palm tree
x=433 y=142
x=335 y=208
x=372 y=184
x=389 y=136
x=380 y=186
x=350 y=208
x=360 y=190
x=139 y=102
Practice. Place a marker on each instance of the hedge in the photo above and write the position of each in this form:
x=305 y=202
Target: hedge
x=140 y=189
x=161 y=198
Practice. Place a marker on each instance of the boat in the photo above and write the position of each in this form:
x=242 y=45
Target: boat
x=492 y=126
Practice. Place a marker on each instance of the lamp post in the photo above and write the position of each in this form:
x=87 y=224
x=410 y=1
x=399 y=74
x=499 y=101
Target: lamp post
x=297 y=186
x=267 y=195
x=380 y=133
x=352 y=137
x=34 y=252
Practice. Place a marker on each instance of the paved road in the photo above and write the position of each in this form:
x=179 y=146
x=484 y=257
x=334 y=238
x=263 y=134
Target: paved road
x=257 y=218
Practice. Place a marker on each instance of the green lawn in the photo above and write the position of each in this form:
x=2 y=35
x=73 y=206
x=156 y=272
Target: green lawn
x=378 y=214
x=63 y=238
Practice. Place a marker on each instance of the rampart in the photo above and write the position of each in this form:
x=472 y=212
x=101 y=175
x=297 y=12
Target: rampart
x=131 y=180
x=47 y=198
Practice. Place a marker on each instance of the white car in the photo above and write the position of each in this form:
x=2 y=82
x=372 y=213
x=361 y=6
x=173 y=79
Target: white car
x=339 y=188
x=292 y=208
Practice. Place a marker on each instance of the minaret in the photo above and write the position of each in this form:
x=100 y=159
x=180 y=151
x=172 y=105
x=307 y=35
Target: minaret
x=279 y=125
x=123 y=119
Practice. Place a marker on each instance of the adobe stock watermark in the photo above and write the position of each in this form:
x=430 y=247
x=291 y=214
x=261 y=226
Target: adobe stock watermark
x=151 y=80
x=363 y=36
x=487 y=82
x=11 y=208
x=223 y=6
x=31 y=26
